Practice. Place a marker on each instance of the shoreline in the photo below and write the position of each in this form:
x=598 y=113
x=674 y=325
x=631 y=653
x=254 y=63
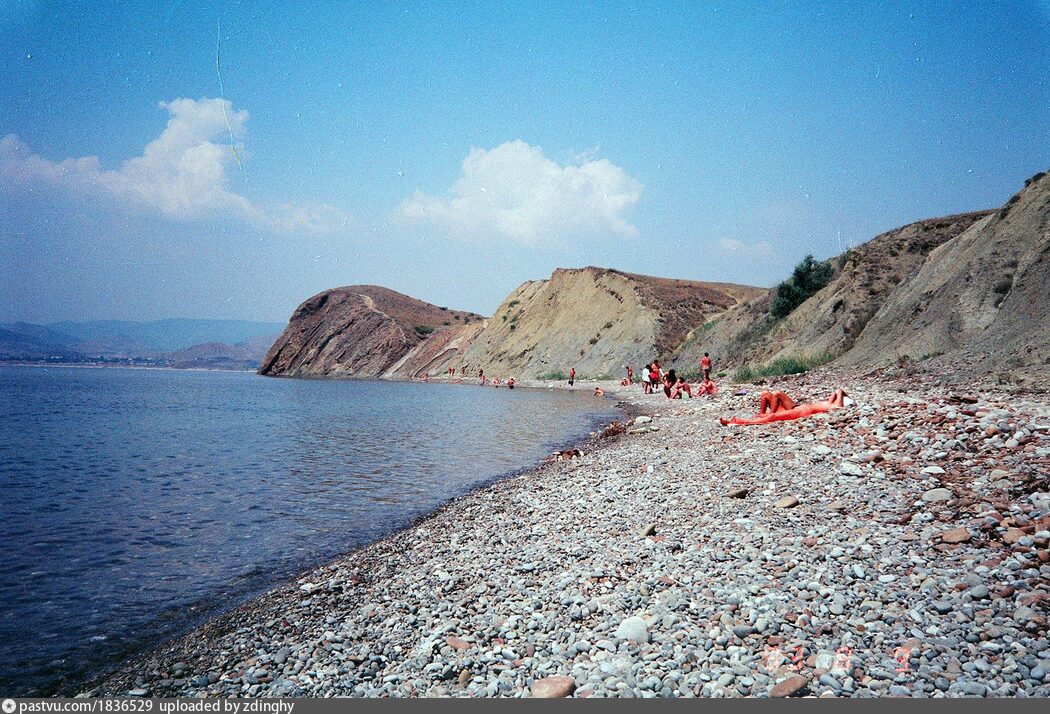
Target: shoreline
x=406 y=615
x=89 y=676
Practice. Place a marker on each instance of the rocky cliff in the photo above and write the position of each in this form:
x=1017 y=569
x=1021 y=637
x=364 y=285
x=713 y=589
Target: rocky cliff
x=595 y=320
x=969 y=289
x=980 y=301
x=357 y=331
x=831 y=321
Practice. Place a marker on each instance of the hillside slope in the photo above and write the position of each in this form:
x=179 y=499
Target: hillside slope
x=17 y=346
x=595 y=320
x=356 y=331
x=440 y=350
x=830 y=321
x=982 y=300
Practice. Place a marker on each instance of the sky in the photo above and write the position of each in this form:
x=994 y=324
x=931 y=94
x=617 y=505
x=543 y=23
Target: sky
x=229 y=159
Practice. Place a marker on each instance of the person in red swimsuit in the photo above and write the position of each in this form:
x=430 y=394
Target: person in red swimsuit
x=681 y=386
x=572 y=376
x=654 y=377
x=837 y=400
x=705 y=366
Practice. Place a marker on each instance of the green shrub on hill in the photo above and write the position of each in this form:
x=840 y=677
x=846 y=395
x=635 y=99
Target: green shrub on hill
x=808 y=277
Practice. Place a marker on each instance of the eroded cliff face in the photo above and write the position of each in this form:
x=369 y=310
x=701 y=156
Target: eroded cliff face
x=980 y=301
x=593 y=319
x=596 y=321
x=358 y=331
x=439 y=351
x=832 y=320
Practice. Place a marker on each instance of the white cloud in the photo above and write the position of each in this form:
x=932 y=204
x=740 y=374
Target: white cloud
x=513 y=191
x=732 y=245
x=183 y=174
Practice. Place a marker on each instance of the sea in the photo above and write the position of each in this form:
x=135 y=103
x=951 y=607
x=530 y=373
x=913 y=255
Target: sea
x=136 y=502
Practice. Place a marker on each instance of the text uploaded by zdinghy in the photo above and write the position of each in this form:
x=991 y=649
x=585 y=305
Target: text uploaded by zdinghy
x=151 y=706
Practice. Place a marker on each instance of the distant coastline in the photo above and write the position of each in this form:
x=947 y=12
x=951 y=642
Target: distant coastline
x=122 y=365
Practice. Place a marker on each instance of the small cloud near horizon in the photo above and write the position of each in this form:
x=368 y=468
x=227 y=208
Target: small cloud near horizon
x=759 y=249
x=514 y=192
x=183 y=174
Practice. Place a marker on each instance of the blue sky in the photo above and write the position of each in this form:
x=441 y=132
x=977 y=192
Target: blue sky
x=453 y=151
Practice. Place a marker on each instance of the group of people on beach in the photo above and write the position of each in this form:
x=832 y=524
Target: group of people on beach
x=773 y=405
x=654 y=378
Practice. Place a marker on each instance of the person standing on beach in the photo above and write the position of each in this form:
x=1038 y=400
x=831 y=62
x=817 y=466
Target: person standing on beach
x=572 y=376
x=705 y=366
x=654 y=377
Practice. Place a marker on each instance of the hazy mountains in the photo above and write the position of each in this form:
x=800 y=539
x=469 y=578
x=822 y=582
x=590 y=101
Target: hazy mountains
x=218 y=344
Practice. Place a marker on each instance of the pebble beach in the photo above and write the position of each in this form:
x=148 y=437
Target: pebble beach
x=898 y=547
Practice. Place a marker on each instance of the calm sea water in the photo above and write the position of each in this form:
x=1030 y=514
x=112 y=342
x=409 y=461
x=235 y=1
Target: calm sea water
x=136 y=502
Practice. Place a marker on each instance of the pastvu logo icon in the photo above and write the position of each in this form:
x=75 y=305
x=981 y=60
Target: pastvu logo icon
x=9 y=706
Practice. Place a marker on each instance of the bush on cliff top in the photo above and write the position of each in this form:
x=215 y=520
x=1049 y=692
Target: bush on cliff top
x=808 y=277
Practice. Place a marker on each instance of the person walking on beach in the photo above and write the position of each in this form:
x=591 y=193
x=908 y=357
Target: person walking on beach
x=572 y=376
x=705 y=366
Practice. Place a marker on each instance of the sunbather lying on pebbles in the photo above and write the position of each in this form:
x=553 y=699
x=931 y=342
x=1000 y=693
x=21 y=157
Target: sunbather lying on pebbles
x=777 y=406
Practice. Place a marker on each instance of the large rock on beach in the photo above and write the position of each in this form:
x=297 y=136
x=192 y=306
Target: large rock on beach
x=955 y=535
x=789 y=687
x=555 y=687
x=634 y=629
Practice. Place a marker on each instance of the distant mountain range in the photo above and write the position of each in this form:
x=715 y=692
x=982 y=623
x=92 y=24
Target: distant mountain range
x=216 y=344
